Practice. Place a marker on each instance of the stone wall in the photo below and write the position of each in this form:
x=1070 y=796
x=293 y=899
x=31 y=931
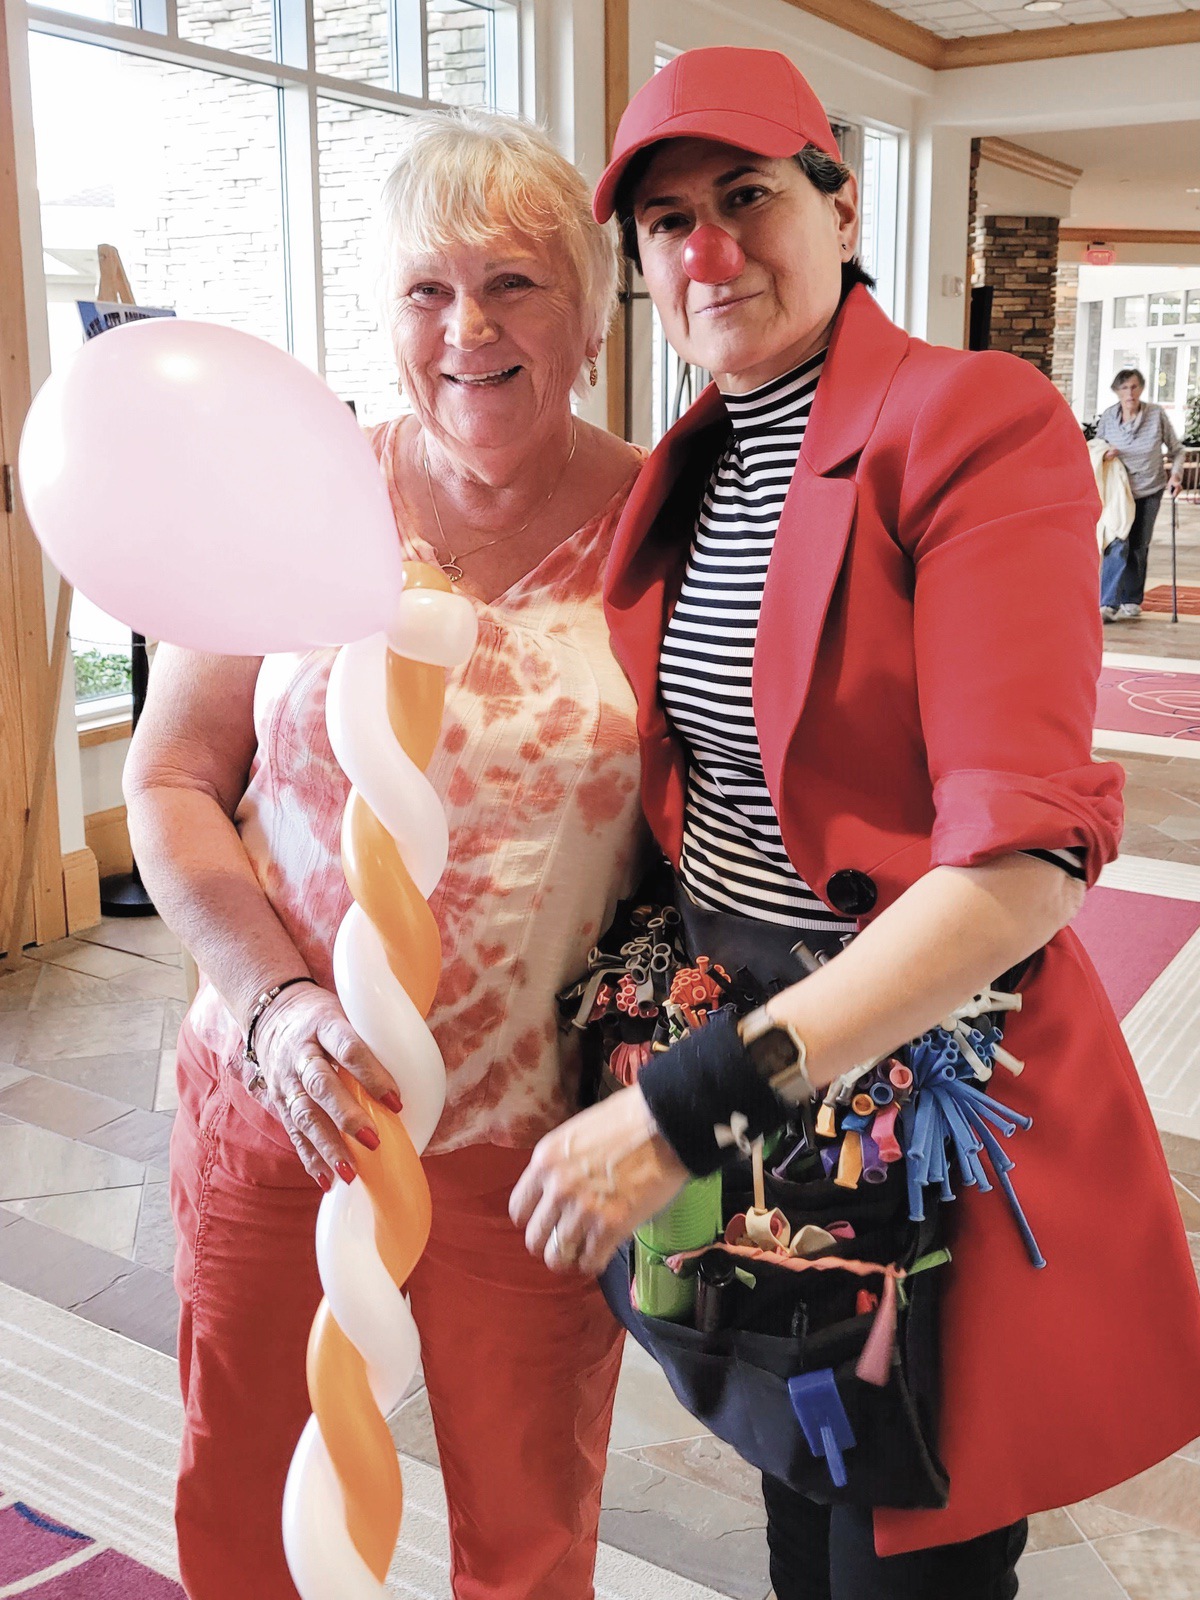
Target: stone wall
x=1018 y=257
x=204 y=227
x=1066 y=307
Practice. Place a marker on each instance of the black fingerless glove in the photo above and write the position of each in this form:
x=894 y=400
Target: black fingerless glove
x=699 y=1085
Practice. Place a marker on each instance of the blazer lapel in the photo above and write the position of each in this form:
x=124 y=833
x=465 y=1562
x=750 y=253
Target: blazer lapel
x=814 y=526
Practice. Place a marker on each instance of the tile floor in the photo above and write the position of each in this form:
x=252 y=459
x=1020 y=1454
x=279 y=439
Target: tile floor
x=87 y=1035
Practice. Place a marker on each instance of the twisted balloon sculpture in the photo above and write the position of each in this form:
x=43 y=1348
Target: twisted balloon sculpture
x=344 y=1498
x=302 y=553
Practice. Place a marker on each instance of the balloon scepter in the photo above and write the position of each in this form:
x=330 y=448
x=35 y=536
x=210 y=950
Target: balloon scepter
x=343 y=1502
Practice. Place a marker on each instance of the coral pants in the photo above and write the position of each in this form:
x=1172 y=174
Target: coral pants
x=520 y=1364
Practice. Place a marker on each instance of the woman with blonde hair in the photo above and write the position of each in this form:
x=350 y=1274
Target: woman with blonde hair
x=498 y=287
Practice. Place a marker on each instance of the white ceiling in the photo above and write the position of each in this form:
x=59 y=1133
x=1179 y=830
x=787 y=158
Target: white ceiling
x=956 y=19
x=1133 y=177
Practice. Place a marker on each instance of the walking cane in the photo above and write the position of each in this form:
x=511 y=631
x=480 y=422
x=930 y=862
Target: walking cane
x=1174 y=582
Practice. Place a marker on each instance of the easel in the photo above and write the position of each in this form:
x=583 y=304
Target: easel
x=114 y=286
x=124 y=895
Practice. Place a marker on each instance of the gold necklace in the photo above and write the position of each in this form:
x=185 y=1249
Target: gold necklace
x=451 y=566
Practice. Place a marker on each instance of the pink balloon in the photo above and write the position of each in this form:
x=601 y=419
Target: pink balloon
x=208 y=489
x=710 y=255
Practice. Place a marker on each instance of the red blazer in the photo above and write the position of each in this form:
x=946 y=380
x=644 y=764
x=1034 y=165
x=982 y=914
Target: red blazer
x=924 y=689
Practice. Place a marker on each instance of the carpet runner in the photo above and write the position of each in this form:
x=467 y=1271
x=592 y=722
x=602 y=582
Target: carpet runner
x=42 y=1559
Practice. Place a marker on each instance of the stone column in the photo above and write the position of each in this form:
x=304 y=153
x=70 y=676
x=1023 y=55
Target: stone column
x=1066 y=305
x=1018 y=256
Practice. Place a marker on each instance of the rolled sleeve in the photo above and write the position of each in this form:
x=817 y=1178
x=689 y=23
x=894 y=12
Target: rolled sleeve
x=999 y=514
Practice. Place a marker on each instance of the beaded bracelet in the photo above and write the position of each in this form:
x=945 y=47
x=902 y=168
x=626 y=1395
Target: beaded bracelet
x=260 y=1005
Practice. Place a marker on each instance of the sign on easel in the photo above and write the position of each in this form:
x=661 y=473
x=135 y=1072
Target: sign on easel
x=98 y=316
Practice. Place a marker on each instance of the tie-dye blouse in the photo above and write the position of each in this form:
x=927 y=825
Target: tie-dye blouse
x=537 y=767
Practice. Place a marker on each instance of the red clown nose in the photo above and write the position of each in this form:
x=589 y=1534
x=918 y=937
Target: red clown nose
x=712 y=256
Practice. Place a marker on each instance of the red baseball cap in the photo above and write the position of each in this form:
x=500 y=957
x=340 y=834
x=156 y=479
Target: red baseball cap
x=754 y=99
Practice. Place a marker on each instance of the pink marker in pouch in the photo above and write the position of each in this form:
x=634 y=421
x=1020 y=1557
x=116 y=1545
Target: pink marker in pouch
x=883 y=1134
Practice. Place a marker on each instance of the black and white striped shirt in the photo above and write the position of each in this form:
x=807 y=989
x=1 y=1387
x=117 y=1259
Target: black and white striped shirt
x=733 y=856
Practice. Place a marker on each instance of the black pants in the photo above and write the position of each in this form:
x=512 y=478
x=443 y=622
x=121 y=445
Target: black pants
x=828 y=1553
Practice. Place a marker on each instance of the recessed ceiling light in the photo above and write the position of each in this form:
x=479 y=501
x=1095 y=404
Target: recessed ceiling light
x=1043 y=5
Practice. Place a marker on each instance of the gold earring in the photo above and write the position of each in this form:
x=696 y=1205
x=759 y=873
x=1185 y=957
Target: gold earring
x=594 y=374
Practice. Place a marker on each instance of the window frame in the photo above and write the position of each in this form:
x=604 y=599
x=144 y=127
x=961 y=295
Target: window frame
x=299 y=88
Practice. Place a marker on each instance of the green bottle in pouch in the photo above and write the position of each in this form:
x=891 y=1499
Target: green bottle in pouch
x=692 y=1220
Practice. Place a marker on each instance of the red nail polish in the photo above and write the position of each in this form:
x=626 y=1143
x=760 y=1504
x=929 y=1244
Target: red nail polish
x=368 y=1138
x=392 y=1101
x=346 y=1172
x=324 y=1182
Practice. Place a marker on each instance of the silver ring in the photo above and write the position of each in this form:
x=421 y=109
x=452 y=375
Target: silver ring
x=567 y=1253
x=296 y=1094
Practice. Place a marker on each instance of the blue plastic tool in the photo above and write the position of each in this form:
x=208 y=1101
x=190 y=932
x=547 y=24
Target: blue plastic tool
x=819 y=1409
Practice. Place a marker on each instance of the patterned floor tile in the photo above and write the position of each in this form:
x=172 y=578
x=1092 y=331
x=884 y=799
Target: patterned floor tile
x=709 y=1537
x=646 y=1411
x=1167 y=1495
x=1155 y=1565
x=106 y=1218
x=16 y=988
x=706 y=1461
x=58 y=1106
x=35 y=1162
x=1051 y=1530
x=141 y=1304
x=166 y=1090
x=141 y=1135
x=1073 y=1573
x=96 y=960
x=64 y=1032
x=142 y=936
x=154 y=1243
x=129 y=1077
x=411 y=1427
x=52 y=1266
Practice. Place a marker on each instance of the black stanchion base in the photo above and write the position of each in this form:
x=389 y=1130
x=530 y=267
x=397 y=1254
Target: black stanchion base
x=125 y=896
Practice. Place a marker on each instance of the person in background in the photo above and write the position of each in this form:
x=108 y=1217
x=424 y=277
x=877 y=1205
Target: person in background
x=1140 y=434
x=498 y=286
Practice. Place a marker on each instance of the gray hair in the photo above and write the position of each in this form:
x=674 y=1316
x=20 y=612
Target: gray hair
x=458 y=167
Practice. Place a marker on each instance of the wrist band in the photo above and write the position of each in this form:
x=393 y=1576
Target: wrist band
x=260 y=1005
x=697 y=1088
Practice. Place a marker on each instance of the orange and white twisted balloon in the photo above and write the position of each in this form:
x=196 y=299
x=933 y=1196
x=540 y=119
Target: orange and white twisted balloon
x=344 y=1498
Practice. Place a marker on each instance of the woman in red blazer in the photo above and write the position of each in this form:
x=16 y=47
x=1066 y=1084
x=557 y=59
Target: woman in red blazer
x=923 y=692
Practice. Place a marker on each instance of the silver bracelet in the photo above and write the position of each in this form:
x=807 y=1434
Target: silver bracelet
x=257 y=1081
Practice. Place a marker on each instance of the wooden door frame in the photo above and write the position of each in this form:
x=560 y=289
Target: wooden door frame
x=24 y=655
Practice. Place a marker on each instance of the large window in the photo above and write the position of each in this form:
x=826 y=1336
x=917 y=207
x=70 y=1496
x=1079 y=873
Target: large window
x=238 y=176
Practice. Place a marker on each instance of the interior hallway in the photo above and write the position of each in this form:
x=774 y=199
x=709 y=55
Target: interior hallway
x=87 y=1030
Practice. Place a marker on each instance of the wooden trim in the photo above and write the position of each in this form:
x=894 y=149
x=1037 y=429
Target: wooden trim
x=866 y=20
x=1017 y=158
x=106 y=733
x=616 y=98
x=1129 y=236
x=81 y=890
x=107 y=836
x=1074 y=39
x=25 y=678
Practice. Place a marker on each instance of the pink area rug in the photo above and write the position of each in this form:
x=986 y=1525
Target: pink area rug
x=1159 y=599
x=41 y=1559
x=1132 y=938
x=1132 y=700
